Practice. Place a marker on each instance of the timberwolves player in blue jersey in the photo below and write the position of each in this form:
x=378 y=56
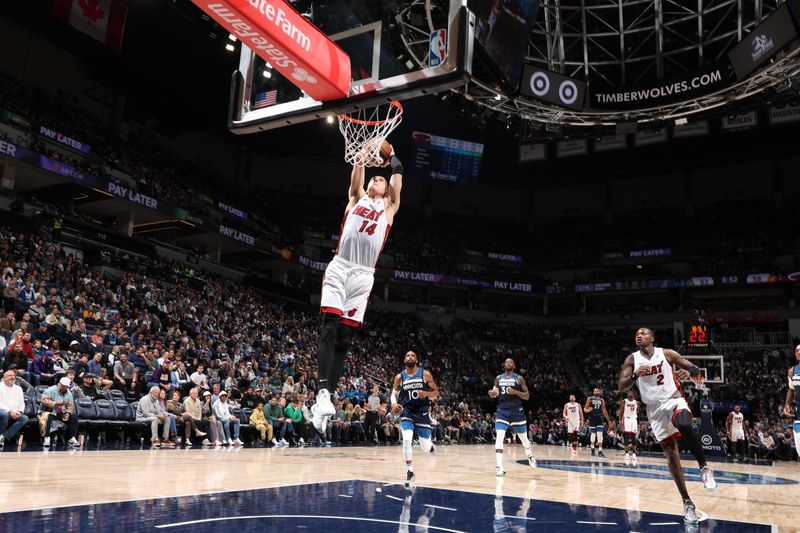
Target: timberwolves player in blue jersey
x=794 y=393
x=596 y=409
x=510 y=389
x=413 y=388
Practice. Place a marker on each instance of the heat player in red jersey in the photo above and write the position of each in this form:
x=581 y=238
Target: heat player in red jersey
x=348 y=279
x=650 y=369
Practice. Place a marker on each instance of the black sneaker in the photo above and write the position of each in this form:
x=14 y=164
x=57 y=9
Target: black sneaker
x=601 y=454
x=410 y=478
x=592 y=452
x=433 y=449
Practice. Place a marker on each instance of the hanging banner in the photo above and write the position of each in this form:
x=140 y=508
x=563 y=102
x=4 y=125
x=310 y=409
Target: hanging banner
x=782 y=115
x=643 y=138
x=693 y=129
x=570 y=148
x=741 y=121
x=761 y=44
x=612 y=142
x=532 y=152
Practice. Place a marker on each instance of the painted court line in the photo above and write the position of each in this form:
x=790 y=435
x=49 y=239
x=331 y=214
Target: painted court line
x=665 y=523
x=440 y=507
x=597 y=523
x=345 y=496
x=515 y=517
x=352 y=518
x=394 y=497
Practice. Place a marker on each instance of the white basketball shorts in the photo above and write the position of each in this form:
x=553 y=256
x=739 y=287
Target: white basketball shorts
x=345 y=290
x=660 y=417
x=573 y=425
x=630 y=425
x=737 y=435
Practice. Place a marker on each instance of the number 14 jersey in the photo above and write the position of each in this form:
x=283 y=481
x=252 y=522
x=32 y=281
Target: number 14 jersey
x=659 y=384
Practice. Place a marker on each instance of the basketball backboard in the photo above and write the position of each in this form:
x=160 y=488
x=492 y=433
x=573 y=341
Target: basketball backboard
x=712 y=367
x=398 y=49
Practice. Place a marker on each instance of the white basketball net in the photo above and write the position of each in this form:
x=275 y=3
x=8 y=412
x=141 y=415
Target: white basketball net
x=365 y=130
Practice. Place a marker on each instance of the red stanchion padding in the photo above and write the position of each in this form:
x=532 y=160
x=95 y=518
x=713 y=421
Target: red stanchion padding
x=290 y=43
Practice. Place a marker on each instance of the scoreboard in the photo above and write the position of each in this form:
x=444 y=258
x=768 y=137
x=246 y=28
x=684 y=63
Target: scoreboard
x=444 y=158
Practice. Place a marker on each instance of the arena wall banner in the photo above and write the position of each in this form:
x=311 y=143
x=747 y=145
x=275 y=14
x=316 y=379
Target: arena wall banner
x=693 y=129
x=655 y=93
x=504 y=257
x=232 y=210
x=67 y=141
x=611 y=142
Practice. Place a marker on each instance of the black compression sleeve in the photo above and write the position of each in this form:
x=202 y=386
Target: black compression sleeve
x=397 y=166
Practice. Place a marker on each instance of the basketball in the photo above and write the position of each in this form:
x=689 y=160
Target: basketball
x=386 y=151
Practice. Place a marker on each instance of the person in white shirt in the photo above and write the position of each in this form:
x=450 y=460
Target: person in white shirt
x=223 y=413
x=12 y=407
x=199 y=378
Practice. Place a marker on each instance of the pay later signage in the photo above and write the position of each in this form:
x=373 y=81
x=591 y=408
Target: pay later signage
x=295 y=47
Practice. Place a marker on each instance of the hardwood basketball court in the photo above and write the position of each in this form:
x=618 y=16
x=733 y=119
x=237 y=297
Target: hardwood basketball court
x=360 y=489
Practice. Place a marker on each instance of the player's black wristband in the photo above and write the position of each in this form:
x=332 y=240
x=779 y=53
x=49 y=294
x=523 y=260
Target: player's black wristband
x=397 y=166
x=634 y=377
x=694 y=371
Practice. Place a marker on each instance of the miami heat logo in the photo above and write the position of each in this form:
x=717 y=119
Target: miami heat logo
x=351 y=313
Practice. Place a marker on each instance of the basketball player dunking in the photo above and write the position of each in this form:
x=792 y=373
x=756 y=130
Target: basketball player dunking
x=573 y=414
x=348 y=278
x=412 y=391
x=510 y=389
x=794 y=393
x=650 y=368
x=596 y=409
x=735 y=425
x=629 y=422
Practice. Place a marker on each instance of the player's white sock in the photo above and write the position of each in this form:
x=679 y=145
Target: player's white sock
x=410 y=467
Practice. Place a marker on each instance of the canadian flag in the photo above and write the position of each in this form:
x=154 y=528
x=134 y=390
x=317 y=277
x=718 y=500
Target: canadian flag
x=102 y=19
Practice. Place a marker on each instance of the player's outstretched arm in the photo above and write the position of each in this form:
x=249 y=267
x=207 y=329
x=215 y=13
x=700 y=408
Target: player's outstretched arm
x=523 y=392
x=625 y=375
x=434 y=392
x=622 y=413
x=564 y=412
x=395 y=182
x=790 y=392
x=686 y=369
x=729 y=423
x=356 y=190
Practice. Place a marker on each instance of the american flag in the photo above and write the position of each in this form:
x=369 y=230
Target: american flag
x=266 y=99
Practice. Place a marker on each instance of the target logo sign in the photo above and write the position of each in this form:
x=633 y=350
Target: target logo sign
x=552 y=87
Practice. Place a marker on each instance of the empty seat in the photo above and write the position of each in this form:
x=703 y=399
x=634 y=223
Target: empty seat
x=40 y=390
x=106 y=414
x=84 y=408
x=116 y=394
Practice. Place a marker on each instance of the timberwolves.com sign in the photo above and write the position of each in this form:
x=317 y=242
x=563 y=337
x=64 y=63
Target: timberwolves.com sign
x=660 y=92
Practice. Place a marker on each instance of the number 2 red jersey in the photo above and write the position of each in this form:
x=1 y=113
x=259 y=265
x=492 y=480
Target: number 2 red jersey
x=364 y=232
x=659 y=384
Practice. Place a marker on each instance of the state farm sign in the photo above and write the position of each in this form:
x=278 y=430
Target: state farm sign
x=295 y=47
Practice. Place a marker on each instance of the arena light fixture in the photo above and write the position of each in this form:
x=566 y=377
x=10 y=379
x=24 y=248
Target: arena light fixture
x=266 y=73
x=229 y=47
x=231 y=37
x=329 y=119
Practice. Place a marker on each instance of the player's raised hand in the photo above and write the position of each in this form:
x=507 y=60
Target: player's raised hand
x=787 y=411
x=643 y=371
x=683 y=375
x=396 y=408
x=494 y=393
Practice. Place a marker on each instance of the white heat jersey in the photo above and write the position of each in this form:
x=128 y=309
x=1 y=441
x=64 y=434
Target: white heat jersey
x=573 y=416
x=659 y=384
x=364 y=232
x=737 y=425
x=630 y=416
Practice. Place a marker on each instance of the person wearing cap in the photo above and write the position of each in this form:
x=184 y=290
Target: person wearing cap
x=223 y=413
x=81 y=367
x=214 y=425
x=12 y=407
x=43 y=370
x=58 y=403
x=149 y=410
x=88 y=388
